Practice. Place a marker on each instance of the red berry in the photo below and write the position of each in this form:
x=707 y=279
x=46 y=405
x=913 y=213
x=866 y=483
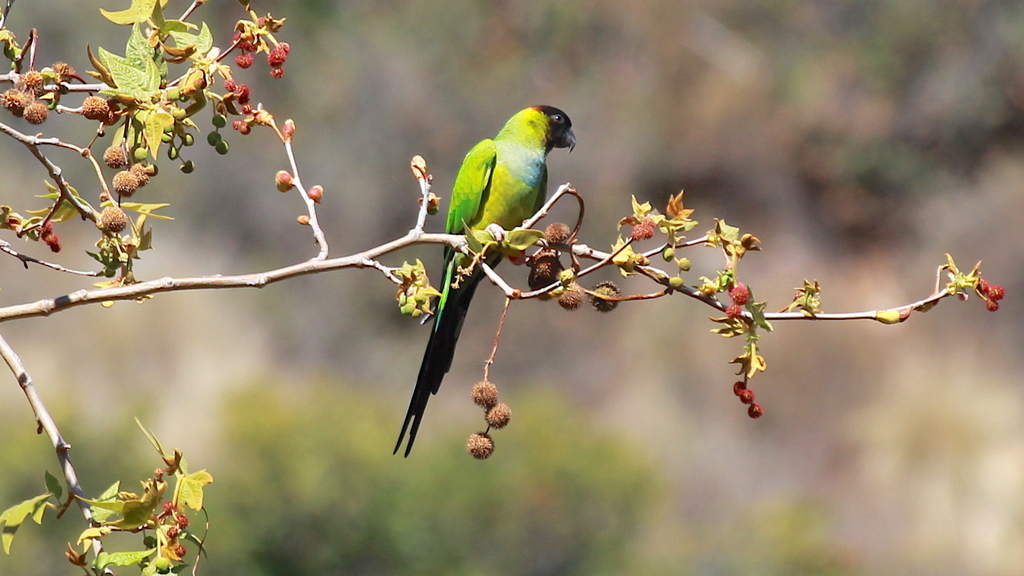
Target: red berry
x=739 y=387
x=244 y=60
x=53 y=241
x=991 y=305
x=739 y=293
x=286 y=47
x=747 y=396
x=734 y=311
x=230 y=85
x=982 y=286
x=276 y=57
x=181 y=520
x=755 y=411
x=243 y=92
x=277 y=72
x=996 y=292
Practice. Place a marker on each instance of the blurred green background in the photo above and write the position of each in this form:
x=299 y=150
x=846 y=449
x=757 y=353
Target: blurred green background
x=860 y=140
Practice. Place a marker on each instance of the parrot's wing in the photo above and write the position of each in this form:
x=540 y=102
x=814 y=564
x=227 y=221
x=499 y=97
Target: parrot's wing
x=471 y=185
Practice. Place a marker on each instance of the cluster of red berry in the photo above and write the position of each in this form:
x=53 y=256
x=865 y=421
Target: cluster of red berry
x=747 y=397
x=992 y=293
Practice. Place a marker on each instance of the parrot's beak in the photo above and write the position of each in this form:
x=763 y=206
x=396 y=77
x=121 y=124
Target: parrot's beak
x=570 y=139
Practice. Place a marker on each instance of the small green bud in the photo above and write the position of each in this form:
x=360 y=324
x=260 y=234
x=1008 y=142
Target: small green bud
x=222 y=147
x=173 y=94
x=684 y=264
x=675 y=282
x=139 y=154
x=669 y=254
x=178 y=113
x=188 y=167
x=567 y=276
x=166 y=137
x=220 y=121
x=162 y=565
x=213 y=138
x=172 y=152
x=188 y=139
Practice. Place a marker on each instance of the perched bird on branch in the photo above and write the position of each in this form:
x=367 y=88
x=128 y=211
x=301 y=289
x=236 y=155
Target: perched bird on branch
x=502 y=181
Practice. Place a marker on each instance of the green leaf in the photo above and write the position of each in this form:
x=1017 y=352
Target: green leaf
x=93 y=533
x=189 y=490
x=139 y=11
x=153 y=129
x=105 y=559
x=523 y=239
x=101 y=70
x=53 y=485
x=15 y=515
x=100 y=513
x=202 y=41
x=148 y=433
x=148 y=210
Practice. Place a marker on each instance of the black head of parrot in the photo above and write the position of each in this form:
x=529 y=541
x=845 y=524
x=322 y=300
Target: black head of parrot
x=560 y=133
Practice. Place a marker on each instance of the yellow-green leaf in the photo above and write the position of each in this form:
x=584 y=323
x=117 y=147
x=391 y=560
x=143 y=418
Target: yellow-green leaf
x=13 y=517
x=189 y=490
x=93 y=533
x=156 y=123
x=105 y=559
x=139 y=11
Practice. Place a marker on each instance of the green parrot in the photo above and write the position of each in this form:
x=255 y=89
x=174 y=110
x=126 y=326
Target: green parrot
x=502 y=181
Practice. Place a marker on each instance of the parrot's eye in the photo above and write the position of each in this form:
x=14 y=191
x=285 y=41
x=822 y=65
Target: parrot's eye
x=558 y=119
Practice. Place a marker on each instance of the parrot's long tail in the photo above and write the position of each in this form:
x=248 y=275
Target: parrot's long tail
x=437 y=360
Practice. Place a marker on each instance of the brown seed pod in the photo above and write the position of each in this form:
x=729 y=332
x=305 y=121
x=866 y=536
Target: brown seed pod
x=557 y=232
x=544 y=269
x=15 y=101
x=125 y=183
x=96 y=108
x=608 y=289
x=115 y=157
x=113 y=219
x=499 y=415
x=36 y=112
x=572 y=297
x=480 y=446
x=484 y=394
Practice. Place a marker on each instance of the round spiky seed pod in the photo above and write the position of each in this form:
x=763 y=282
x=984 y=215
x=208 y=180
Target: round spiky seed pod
x=739 y=293
x=143 y=172
x=15 y=101
x=36 y=112
x=484 y=394
x=480 y=446
x=115 y=157
x=643 y=230
x=96 y=108
x=499 y=415
x=63 y=71
x=557 y=232
x=113 y=219
x=125 y=183
x=572 y=297
x=544 y=269
x=33 y=81
x=755 y=411
x=608 y=289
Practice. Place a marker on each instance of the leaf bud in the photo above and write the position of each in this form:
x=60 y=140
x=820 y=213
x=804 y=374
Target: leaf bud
x=283 y=180
x=316 y=193
x=303 y=219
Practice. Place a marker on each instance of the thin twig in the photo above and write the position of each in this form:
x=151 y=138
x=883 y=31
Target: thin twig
x=46 y=424
x=5 y=247
x=33 y=143
x=49 y=306
x=497 y=338
x=314 y=223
